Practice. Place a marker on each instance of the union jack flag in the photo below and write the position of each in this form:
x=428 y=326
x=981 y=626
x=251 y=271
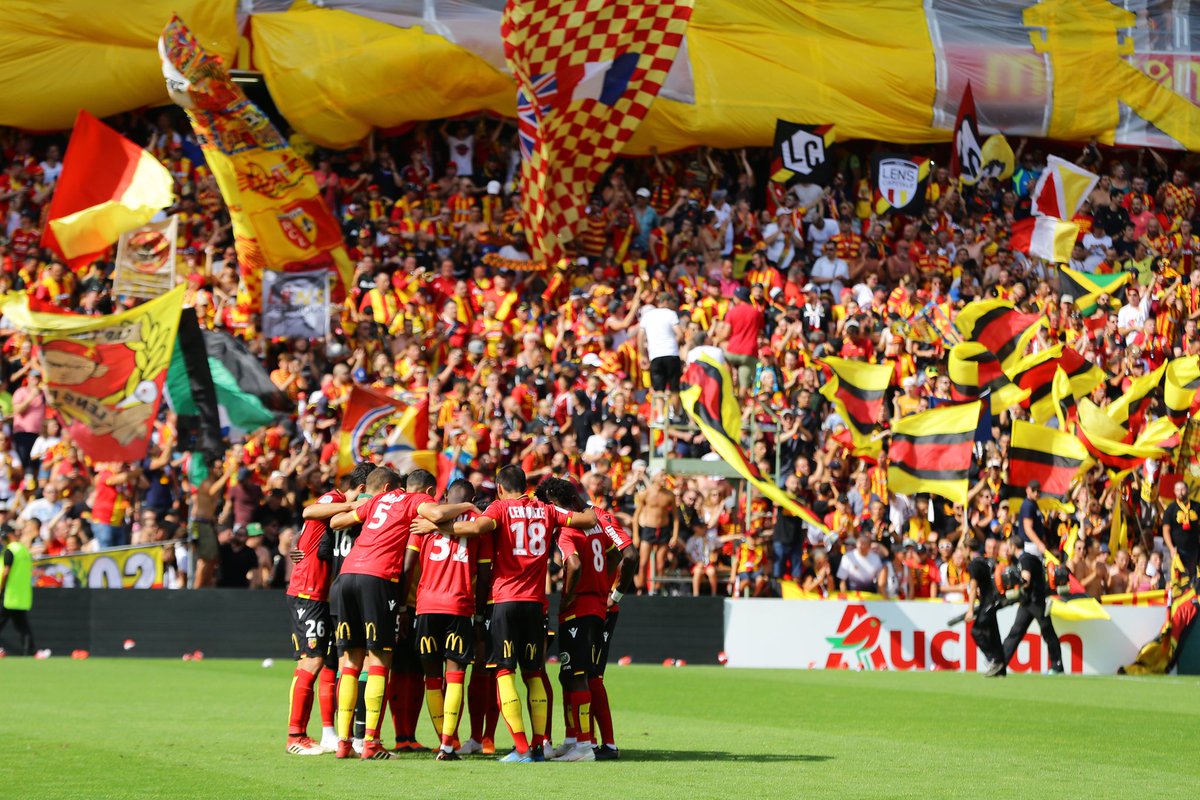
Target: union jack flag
x=581 y=96
x=529 y=116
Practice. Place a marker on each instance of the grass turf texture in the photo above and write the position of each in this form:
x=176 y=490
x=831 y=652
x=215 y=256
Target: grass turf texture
x=147 y=728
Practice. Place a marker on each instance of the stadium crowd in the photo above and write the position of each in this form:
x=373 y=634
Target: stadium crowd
x=552 y=369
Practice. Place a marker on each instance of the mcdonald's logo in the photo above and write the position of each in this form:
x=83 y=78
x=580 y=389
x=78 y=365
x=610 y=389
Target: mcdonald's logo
x=372 y=631
x=596 y=651
x=428 y=645
x=343 y=630
x=508 y=648
x=454 y=643
x=531 y=651
x=295 y=642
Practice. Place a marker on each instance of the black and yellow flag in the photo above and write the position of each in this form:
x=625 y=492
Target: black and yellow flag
x=1037 y=373
x=708 y=399
x=975 y=372
x=856 y=389
x=1179 y=388
x=1109 y=441
x=1051 y=457
x=998 y=326
x=1134 y=402
x=931 y=451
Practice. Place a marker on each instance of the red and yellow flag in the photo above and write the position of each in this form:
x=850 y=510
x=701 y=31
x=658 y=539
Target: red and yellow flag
x=109 y=186
x=280 y=221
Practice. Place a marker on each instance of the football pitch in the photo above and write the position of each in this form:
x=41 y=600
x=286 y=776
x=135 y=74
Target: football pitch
x=133 y=728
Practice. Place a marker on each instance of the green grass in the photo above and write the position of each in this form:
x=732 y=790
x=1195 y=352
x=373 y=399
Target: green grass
x=139 y=728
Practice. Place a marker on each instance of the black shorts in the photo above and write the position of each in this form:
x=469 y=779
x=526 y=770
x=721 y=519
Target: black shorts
x=656 y=536
x=610 y=626
x=367 y=610
x=665 y=372
x=405 y=660
x=518 y=633
x=445 y=636
x=312 y=627
x=579 y=645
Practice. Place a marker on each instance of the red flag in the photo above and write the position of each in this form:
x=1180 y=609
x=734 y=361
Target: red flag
x=108 y=186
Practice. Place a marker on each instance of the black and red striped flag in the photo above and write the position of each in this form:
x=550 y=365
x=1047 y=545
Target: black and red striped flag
x=998 y=326
x=1050 y=457
x=931 y=451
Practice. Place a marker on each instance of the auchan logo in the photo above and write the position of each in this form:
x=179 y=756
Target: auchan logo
x=862 y=641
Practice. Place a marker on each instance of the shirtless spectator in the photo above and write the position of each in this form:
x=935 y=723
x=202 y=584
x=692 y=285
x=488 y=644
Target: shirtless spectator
x=655 y=528
x=202 y=521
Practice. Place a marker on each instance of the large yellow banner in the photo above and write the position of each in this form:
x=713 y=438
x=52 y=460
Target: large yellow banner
x=118 y=568
x=894 y=71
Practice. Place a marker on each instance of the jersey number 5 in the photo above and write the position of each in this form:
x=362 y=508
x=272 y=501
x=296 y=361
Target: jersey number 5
x=536 y=544
x=379 y=517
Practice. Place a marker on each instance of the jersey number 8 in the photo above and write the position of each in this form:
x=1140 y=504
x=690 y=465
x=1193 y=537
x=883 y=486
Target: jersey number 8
x=536 y=538
x=597 y=555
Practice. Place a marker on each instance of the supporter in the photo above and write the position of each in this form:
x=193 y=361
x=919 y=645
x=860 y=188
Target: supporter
x=861 y=569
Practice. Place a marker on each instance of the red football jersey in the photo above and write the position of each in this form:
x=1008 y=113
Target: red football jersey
x=379 y=549
x=448 y=565
x=310 y=578
x=591 y=592
x=619 y=538
x=525 y=530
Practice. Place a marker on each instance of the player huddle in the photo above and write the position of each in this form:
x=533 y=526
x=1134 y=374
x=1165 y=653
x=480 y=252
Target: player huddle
x=412 y=592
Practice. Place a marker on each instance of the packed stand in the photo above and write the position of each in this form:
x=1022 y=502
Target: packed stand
x=572 y=370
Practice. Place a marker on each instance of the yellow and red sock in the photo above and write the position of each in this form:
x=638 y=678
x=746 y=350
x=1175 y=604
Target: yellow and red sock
x=581 y=702
x=374 y=694
x=538 y=688
x=435 y=701
x=301 y=701
x=347 y=698
x=327 y=695
x=452 y=705
x=510 y=708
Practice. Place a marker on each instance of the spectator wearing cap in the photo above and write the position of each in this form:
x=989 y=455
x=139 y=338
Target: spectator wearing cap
x=782 y=238
x=741 y=326
x=646 y=217
x=813 y=314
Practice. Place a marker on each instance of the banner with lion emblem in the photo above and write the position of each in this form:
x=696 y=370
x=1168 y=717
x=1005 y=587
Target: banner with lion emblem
x=146 y=266
x=104 y=374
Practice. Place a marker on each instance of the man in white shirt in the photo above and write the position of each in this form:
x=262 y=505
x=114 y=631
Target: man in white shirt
x=829 y=272
x=1132 y=315
x=1096 y=248
x=821 y=232
x=860 y=568
x=659 y=333
x=783 y=239
x=52 y=166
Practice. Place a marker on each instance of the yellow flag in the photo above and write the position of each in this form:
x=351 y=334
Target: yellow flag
x=280 y=220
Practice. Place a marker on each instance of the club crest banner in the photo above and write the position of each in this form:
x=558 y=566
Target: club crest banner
x=146 y=265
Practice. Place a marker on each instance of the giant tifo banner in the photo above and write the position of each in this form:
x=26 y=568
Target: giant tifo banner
x=119 y=568
x=889 y=635
x=1064 y=69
